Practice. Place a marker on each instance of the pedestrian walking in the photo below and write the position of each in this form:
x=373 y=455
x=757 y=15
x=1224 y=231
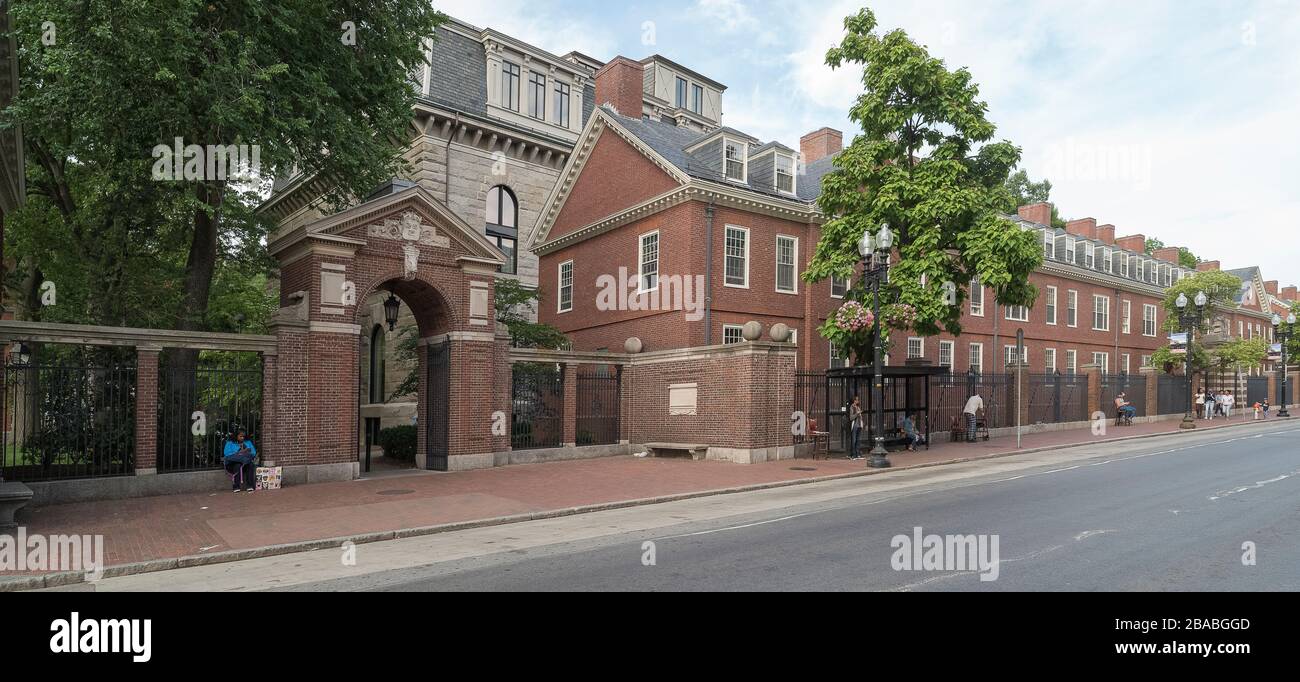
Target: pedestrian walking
x=1209 y=405
x=974 y=405
x=1228 y=403
x=857 y=423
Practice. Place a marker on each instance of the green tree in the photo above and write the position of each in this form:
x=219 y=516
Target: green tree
x=1186 y=258
x=1025 y=191
x=1220 y=291
x=923 y=164
x=1238 y=355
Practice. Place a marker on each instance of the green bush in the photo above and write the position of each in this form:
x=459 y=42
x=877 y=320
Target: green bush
x=398 y=442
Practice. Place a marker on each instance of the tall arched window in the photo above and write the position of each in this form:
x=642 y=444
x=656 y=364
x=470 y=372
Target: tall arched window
x=503 y=224
x=377 y=365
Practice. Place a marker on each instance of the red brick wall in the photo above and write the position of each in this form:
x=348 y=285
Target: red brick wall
x=615 y=177
x=621 y=83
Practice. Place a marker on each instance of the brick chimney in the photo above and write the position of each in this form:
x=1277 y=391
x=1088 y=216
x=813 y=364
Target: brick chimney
x=1040 y=213
x=621 y=83
x=1271 y=287
x=820 y=144
x=1134 y=242
x=1106 y=233
x=1169 y=254
x=1083 y=227
x=1290 y=294
x=1207 y=266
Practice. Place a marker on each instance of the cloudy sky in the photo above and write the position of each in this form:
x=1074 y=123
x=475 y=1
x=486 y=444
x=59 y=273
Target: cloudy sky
x=1175 y=119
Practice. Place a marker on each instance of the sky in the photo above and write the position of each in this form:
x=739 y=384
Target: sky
x=1174 y=119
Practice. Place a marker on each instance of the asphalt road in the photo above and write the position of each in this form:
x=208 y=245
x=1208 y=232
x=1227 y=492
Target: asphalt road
x=1165 y=514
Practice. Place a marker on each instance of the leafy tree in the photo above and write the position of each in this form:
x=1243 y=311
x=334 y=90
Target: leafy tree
x=1024 y=192
x=1186 y=258
x=1220 y=291
x=1153 y=245
x=925 y=165
x=1238 y=355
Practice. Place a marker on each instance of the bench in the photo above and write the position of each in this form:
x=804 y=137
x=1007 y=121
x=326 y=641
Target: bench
x=696 y=451
x=13 y=496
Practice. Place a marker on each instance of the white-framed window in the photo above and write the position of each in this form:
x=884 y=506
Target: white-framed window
x=1257 y=332
x=1146 y=360
x=510 y=85
x=1009 y=355
x=915 y=347
x=976 y=357
x=736 y=160
x=1138 y=274
x=787 y=256
x=1017 y=313
x=731 y=333
x=736 y=257
x=648 y=261
x=566 y=287
x=537 y=95
x=1126 y=308
x=1148 y=320
x=1051 y=305
x=1089 y=256
x=945 y=353
x=1100 y=313
x=1071 y=361
x=1168 y=273
x=839 y=286
x=976 y=298
x=1106 y=260
x=1049 y=245
x=1123 y=264
x=1049 y=360
x=1071 y=308
x=836 y=360
x=1069 y=250
x=784 y=169
x=681 y=92
x=1124 y=363
x=1102 y=360
x=1241 y=329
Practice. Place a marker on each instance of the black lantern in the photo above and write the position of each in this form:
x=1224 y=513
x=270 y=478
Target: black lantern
x=390 y=311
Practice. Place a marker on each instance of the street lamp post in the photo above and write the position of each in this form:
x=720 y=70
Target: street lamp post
x=1283 y=335
x=875 y=272
x=1188 y=318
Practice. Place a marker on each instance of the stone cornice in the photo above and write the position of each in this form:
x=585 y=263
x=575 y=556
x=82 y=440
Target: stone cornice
x=51 y=332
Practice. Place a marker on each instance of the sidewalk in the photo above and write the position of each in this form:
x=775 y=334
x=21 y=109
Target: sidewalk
x=153 y=528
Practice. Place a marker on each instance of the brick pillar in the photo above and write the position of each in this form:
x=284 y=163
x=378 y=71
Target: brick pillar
x=267 y=447
x=1152 y=376
x=288 y=433
x=1093 y=372
x=570 y=404
x=1272 y=388
x=502 y=388
x=146 y=410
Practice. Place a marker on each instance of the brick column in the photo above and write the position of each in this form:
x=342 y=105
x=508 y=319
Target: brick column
x=268 y=445
x=1152 y=376
x=1093 y=372
x=146 y=410
x=502 y=388
x=1272 y=389
x=570 y=404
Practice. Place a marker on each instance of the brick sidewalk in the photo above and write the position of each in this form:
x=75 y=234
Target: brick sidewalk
x=172 y=526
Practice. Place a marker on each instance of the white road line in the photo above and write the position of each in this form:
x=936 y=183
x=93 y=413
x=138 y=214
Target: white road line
x=747 y=525
x=1258 y=484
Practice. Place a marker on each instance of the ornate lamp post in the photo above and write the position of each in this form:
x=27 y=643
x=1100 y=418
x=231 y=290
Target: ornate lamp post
x=391 y=307
x=1188 y=319
x=1283 y=335
x=875 y=271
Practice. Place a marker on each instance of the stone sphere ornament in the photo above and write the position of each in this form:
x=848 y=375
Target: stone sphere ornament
x=779 y=332
x=633 y=345
x=752 y=331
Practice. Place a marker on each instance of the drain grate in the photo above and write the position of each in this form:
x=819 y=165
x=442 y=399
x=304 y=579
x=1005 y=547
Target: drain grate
x=394 y=492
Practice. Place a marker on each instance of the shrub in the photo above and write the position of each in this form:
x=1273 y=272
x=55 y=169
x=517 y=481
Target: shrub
x=398 y=442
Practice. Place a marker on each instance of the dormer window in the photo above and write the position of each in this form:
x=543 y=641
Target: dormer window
x=736 y=160
x=681 y=92
x=697 y=99
x=785 y=173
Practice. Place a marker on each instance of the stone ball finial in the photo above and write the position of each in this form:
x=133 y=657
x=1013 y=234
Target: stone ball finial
x=752 y=331
x=779 y=332
x=633 y=345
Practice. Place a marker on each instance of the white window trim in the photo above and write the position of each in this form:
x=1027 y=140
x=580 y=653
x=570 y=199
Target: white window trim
x=1049 y=353
x=794 y=173
x=1053 y=301
x=640 y=261
x=1071 y=361
x=794 y=265
x=739 y=330
x=1072 y=294
x=744 y=160
x=1126 y=324
x=1155 y=320
x=559 y=298
x=1125 y=360
x=1049 y=245
x=847 y=283
x=1006 y=314
x=952 y=347
x=974 y=287
x=1105 y=308
x=979 y=348
x=920 y=342
x=725 y=283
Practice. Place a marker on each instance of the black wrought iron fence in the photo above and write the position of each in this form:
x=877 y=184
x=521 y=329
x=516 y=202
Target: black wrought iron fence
x=598 y=404
x=537 y=400
x=1172 y=395
x=68 y=421
x=1134 y=389
x=949 y=394
x=1057 y=398
x=1257 y=390
x=200 y=408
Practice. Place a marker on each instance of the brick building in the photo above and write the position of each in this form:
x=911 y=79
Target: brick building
x=714 y=228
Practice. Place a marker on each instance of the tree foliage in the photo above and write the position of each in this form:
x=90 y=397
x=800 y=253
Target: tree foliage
x=1023 y=191
x=924 y=163
x=1220 y=291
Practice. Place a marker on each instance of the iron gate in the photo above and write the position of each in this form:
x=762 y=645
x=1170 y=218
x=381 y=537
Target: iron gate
x=199 y=409
x=1134 y=388
x=1256 y=390
x=67 y=421
x=437 y=406
x=1172 y=395
x=1057 y=398
x=537 y=405
x=598 y=404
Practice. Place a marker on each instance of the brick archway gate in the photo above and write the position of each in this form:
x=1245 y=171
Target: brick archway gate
x=409 y=244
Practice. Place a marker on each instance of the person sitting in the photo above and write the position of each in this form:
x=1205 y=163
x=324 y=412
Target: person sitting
x=238 y=458
x=910 y=433
x=1124 y=408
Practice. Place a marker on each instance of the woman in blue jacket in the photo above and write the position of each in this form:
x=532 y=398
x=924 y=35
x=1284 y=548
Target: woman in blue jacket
x=240 y=453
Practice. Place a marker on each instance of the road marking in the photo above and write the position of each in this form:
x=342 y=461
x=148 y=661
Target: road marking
x=747 y=525
x=1089 y=533
x=1258 y=484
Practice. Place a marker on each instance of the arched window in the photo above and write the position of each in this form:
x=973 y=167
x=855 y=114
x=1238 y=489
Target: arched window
x=377 y=364
x=503 y=224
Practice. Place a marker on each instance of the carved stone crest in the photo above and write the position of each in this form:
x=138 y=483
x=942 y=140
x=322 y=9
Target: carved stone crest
x=409 y=228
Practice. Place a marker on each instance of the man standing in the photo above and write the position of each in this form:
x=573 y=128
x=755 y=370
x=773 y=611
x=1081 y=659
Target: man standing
x=974 y=405
x=856 y=422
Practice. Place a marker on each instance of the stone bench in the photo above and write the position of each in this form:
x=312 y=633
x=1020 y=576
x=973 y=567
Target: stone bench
x=697 y=451
x=13 y=496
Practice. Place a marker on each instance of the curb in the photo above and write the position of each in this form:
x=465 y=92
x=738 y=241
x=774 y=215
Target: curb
x=36 y=582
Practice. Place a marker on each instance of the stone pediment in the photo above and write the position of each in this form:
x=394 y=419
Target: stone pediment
x=409 y=227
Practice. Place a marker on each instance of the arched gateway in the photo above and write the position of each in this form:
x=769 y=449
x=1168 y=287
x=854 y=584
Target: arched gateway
x=410 y=245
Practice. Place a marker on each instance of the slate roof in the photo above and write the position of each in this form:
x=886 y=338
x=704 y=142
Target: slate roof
x=1247 y=276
